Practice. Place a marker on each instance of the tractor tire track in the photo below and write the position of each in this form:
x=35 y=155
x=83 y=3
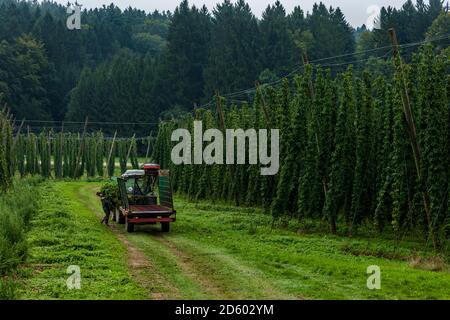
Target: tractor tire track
x=190 y=269
x=205 y=273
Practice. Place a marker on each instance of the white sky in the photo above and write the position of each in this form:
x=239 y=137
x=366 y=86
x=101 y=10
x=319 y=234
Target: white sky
x=356 y=11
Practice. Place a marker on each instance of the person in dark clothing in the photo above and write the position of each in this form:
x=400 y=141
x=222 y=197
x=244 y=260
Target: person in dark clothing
x=106 y=208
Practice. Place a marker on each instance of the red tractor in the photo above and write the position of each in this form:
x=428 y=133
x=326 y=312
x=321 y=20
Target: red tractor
x=146 y=198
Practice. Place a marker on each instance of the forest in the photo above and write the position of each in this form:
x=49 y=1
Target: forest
x=138 y=67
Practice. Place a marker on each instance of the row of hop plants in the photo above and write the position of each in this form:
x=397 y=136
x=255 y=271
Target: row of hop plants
x=73 y=155
x=345 y=153
x=6 y=144
x=18 y=202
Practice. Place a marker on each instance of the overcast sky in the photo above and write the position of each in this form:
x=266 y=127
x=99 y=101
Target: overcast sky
x=356 y=11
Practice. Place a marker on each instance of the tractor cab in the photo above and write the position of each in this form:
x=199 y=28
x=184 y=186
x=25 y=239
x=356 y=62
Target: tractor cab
x=140 y=188
x=146 y=197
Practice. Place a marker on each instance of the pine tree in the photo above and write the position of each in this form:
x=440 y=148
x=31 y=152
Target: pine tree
x=186 y=63
x=276 y=43
x=234 y=37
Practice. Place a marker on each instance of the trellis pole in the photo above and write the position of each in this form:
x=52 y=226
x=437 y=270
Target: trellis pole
x=412 y=130
x=110 y=152
x=80 y=151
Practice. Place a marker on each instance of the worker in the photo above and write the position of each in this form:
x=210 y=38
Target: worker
x=106 y=208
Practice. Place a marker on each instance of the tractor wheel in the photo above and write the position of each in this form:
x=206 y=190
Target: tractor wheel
x=129 y=226
x=120 y=219
x=165 y=226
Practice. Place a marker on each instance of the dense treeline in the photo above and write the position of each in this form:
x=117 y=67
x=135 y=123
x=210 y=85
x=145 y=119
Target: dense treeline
x=41 y=60
x=345 y=152
x=137 y=67
x=413 y=23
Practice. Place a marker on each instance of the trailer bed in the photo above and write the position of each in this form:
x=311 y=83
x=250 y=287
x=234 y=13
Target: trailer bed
x=149 y=213
x=139 y=206
x=154 y=208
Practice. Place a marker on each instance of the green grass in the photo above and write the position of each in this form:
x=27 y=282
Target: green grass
x=314 y=266
x=236 y=249
x=217 y=252
x=63 y=233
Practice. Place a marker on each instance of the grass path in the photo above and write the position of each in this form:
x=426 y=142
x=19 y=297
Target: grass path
x=212 y=252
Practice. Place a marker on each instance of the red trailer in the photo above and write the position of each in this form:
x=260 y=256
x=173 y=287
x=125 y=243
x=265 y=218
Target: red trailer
x=146 y=198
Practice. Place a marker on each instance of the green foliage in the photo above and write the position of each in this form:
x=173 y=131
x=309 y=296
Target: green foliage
x=186 y=63
x=112 y=151
x=227 y=44
x=6 y=160
x=25 y=78
x=123 y=159
x=99 y=153
x=440 y=28
x=111 y=192
x=51 y=154
x=345 y=154
x=128 y=64
x=133 y=153
x=338 y=197
x=16 y=208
